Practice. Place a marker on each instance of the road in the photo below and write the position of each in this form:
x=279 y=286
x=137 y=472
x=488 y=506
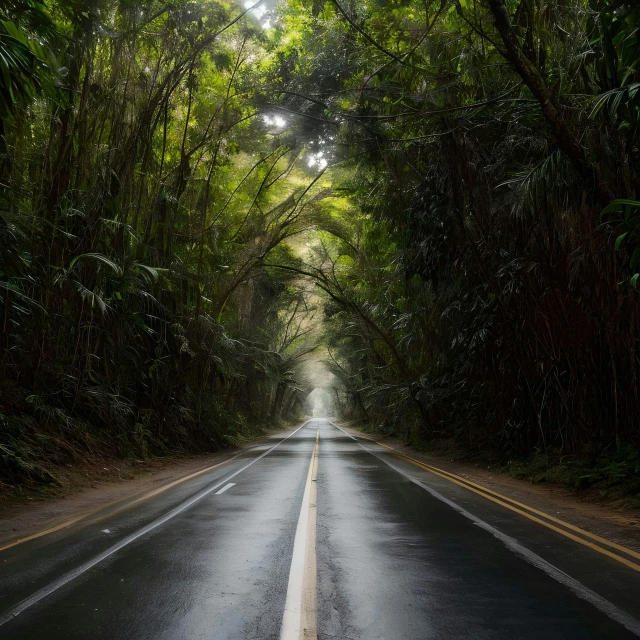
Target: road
x=314 y=534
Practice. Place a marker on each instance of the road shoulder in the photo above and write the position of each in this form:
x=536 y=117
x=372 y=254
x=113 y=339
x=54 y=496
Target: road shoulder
x=122 y=484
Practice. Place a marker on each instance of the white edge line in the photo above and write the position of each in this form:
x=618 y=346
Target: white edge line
x=226 y=486
x=74 y=573
x=600 y=603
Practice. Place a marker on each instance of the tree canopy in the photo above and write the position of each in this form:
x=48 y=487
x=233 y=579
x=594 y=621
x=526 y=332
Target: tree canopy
x=434 y=202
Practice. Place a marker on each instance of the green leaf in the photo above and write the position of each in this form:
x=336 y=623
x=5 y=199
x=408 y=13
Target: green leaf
x=616 y=205
x=100 y=258
x=149 y=270
x=346 y=260
x=620 y=239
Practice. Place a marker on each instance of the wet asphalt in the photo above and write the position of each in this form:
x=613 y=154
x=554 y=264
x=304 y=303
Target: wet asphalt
x=401 y=555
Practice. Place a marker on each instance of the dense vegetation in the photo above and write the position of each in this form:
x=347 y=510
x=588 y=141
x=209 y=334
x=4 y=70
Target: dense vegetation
x=141 y=193
x=457 y=178
x=480 y=296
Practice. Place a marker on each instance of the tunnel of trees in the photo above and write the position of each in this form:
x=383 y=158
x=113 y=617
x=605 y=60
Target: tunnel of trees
x=427 y=208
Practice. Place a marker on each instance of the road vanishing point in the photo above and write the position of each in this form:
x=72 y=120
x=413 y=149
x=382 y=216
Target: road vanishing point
x=316 y=534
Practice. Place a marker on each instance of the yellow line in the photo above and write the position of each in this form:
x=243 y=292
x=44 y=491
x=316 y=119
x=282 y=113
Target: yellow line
x=484 y=492
x=88 y=514
x=68 y=523
x=155 y=492
x=568 y=525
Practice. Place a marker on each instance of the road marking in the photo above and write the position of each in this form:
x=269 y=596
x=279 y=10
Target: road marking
x=582 y=541
x=78 y=571
x=602 y=604
x=503 y=501
x=299 y=618
x=484 y=489
x=226 y=486
x=586 y=543
x=309 y=596
x=88 y=514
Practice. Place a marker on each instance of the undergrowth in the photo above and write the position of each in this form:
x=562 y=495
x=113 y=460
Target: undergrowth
x=38 y=436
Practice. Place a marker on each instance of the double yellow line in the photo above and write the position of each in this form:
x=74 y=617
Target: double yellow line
x=583 y=537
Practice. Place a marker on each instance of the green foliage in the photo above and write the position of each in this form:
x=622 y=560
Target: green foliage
x=476 y=295
x=614 y=28
x=140 y=199
x=625 y=214
x=605 y=473
x=176 y=178
x=23 y=61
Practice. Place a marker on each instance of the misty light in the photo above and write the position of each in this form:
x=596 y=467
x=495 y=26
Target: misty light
x=274 y=121
x=258 y=12
x=317 y=159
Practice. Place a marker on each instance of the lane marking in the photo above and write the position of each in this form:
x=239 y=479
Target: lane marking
x=504 y=500
x=88 y=514
x=568 y=525
x=299 y=618
x=600 y=603
x=582 y=541
x=226 y=486
x=309 y=595
x=83 y=568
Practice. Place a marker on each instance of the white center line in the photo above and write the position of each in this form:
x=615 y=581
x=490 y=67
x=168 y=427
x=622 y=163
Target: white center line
x=299 y=619
x=226 y=486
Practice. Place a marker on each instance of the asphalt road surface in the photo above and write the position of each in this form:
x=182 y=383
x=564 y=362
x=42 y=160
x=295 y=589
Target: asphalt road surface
x=316 y=535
